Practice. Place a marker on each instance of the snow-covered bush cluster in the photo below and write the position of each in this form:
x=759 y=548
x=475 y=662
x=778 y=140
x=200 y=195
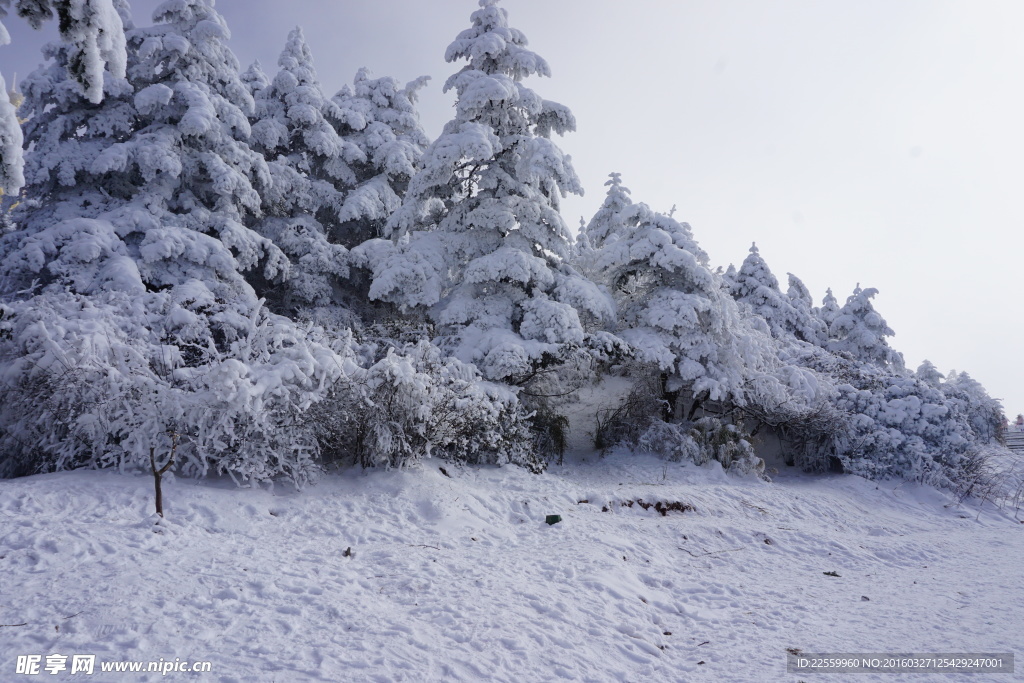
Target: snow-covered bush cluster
x=268 y=280
x=417 y=402
x=730 y=356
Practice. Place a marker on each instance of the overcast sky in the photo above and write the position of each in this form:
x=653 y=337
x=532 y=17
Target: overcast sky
x=878 y=142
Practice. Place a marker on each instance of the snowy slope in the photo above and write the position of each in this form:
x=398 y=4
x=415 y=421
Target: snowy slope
x=459 y=578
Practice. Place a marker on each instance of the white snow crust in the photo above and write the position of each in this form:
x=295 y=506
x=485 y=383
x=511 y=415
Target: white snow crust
x=459 y=578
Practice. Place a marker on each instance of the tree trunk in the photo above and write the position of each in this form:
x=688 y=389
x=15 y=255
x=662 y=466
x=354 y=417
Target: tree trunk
x=159 y=473
x=157 y=479
x=671 y=399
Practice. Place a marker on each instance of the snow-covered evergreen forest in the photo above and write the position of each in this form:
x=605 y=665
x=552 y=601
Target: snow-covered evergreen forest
x=222 y=269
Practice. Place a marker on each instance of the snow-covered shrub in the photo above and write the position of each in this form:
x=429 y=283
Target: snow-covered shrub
x=84 y=383
x=727 y=443
x=626 y=422
x=996 y=475
x=850 y=402
x=702 y=441
x=672 y=441
x=416 y=403
x=893 y=424
x=795 y=402
x=806 y=432
x=550 y=432
x=643 y=421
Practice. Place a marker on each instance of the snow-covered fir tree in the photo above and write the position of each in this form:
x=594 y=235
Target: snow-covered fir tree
x=829 y=309
x=612 y=219
x=92 y=30
x=68 y=133
x=929 y=374
x=814 y=328
x=296 y=124
x=711 y=363
x=729 y=278
x=483 y=242
x=861 y=332
x=984 y=413
x=12 y=174
x=310 y=165
x=798 y=291
x=130 y=325
x=673 y=311
x=755 y=285
x=381 y=120
x=93 y=35
x=191 y=144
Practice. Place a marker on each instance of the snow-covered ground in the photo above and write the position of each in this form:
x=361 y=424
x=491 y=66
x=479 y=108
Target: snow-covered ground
x=417 y=576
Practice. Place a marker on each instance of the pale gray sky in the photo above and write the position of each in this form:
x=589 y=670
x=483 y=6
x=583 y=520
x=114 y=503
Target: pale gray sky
x=878 y=141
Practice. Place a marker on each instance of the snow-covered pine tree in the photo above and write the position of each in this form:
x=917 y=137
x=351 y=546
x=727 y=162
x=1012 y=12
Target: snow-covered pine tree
x=756 y=286
x=829 y=310
x=929 y=374
x=294 y=127
x=130 y=325
x=484 y=244
x=860 y=331
x=12 y=175
x=380 y=118
x=255 y=80
x=672 y=309
x=93 y=31
x=729 y=278
x=815 y=330
x=984 y=413
x=798 y=291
